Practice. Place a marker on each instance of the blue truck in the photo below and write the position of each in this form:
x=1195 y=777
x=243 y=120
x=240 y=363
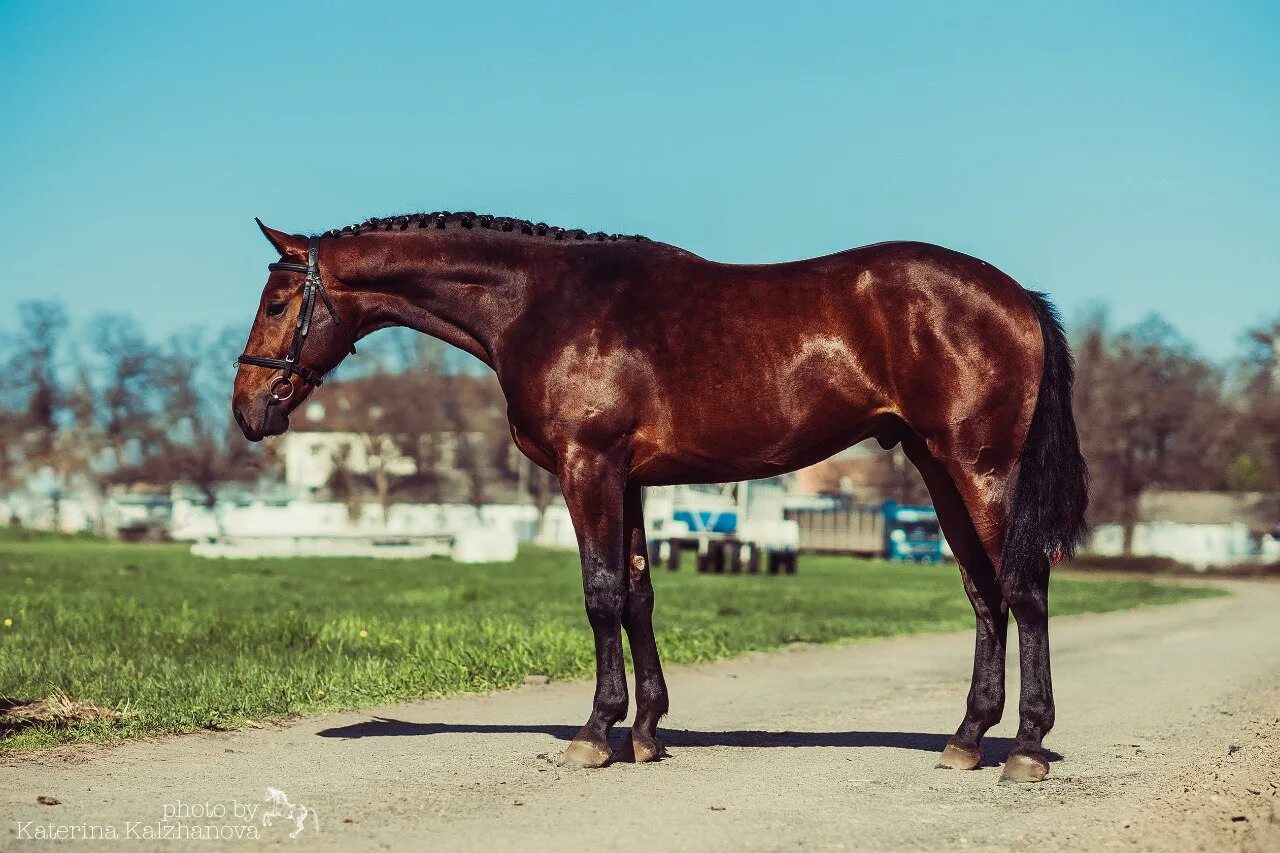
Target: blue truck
x=912 y=534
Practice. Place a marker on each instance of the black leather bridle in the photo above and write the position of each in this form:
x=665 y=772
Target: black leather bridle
x=283 y=388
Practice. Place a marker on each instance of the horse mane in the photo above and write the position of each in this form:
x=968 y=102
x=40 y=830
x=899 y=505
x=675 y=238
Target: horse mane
x=443 y=219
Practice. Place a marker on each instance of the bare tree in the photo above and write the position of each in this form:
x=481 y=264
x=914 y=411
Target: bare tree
x=31 y=386
x=542 y=487
x=11 y=460
x=468 y=457
x=127 y=394
x=200 y=445
x=1151 y=414
x=481 y=437
x=1257 y=463
x=901 y=481
x=32 y=396
x=81 y=444
x=343 y=483
x=396 y=423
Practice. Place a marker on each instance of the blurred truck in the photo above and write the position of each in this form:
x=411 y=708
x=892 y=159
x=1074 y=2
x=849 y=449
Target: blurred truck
x=726 y=528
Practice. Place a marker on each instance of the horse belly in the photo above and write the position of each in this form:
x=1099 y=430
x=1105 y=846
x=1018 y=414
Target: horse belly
x=762 y=423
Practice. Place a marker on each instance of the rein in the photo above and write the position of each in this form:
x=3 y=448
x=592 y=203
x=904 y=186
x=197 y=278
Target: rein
x=283 y=388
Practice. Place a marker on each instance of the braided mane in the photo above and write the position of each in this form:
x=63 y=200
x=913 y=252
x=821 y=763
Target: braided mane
x=443 y=219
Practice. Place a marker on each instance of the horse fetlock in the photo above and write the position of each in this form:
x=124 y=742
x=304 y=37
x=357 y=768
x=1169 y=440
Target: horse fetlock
x=1036 y=719
x=982 y=716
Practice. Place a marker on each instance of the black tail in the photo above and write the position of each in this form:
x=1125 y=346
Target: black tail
x=1046 y=518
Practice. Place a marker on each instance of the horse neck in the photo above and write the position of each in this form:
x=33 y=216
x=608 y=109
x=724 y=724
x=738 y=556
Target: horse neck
x=465 y=290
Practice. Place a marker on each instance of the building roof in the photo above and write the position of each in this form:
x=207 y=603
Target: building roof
x=1259 y=510
x=348 y=405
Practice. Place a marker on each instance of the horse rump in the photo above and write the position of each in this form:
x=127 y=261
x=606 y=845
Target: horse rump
x=1046 y=516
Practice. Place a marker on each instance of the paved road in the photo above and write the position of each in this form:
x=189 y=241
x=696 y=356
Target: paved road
x=1167 y=730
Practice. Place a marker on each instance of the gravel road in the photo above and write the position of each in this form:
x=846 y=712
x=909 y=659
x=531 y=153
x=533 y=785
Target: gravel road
x=1167 y=730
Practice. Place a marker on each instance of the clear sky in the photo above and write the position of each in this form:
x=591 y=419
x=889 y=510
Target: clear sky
x=1104 y=152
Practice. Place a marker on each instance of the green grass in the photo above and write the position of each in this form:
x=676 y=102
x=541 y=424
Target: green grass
x=178 y=643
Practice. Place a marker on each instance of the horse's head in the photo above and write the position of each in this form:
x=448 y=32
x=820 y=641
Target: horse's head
x=298 y=335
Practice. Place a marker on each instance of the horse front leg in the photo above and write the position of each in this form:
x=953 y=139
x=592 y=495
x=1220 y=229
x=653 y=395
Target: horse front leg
x=651 y=687
x=593 y=485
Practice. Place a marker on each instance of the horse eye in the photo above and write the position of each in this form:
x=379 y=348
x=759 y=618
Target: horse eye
x=275 y=309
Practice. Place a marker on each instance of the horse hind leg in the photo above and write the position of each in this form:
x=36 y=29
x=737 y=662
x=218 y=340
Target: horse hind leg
x=985 y=703
x=1027 y=761
x=1023 y=583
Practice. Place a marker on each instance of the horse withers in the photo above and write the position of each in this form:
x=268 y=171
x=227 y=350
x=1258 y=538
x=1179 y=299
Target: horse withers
x=627 y=363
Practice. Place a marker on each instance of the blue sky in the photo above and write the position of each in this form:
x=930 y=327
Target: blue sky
x=1114 y=153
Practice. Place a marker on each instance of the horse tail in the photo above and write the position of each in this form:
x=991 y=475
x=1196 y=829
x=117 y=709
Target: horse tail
x=1046 y=516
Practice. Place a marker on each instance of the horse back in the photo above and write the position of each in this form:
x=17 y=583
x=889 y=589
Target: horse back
x=717 y=371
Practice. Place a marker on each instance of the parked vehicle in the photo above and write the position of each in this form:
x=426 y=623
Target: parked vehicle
x=890 y=530
x=912 y=533
x=728 y=528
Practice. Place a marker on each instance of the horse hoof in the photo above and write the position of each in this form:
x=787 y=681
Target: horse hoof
x=584 y=754
x=642 y=748
x=1024 y=767
x=956 y=757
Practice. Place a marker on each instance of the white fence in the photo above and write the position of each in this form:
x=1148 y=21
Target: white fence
x=470 y=534
x=302 y=527
x=1199 y=545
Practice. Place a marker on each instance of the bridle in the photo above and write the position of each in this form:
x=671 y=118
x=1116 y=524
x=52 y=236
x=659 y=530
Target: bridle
x=283 y=388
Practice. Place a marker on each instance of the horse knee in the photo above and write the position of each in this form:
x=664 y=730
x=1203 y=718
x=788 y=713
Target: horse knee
x=604 y=608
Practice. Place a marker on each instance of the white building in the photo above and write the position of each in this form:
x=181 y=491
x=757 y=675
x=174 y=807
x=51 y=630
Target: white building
x=1201 y=529
x=310 y=451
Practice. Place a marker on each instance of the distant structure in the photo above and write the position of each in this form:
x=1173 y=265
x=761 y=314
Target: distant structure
x=363 y=427
x=1201 y=529
x=858 y=472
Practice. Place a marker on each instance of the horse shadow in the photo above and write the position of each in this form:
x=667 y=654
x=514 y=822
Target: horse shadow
x=995 y=749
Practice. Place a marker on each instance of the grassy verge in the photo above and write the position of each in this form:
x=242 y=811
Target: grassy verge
x=166 y=642
x=1168 y=566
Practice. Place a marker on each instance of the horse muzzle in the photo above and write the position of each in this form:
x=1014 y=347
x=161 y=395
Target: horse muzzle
x=264 y=418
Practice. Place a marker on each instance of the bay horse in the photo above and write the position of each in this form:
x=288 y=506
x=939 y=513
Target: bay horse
x=627 y=362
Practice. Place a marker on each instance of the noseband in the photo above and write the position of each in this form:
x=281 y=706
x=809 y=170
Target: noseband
x=283 y=388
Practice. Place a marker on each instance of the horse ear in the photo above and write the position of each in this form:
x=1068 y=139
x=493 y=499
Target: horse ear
x=285 y=244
